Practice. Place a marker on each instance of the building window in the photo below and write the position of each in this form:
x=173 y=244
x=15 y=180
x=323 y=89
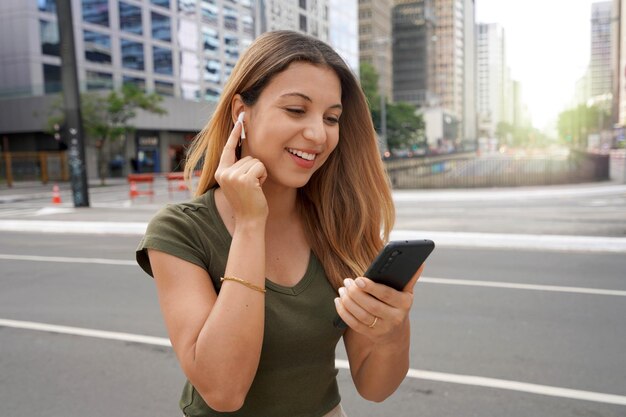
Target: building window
x=162 y=3
x=248 y=24
x=303 y=4
x=209 y=11
x=228 y=69
x=187 y=7
x=96 y=12
x=212 y=94
x=47 y=5
x=97 y=47
x=303 y=23
x=162 y=58
x=212 y=70
x=231 y=46
x=210 y=40
x=230 y=18
x=130 y=18
x=99 y=81
x=190 y=91
x=132 y=55
x=49 y=33
x=139 y=82
x=164 y=88
x=161 y=28
x=51 y=78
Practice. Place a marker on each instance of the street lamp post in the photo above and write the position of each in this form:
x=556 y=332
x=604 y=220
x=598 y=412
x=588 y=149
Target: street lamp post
x=73 y=128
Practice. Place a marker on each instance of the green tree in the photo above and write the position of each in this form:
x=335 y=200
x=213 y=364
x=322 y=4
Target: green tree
x=405 y=129
x=369 y=84
x=108 y=117
x=575 y=124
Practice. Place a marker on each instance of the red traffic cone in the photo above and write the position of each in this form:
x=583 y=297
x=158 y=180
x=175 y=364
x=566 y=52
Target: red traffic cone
x=56 y=196
x=133 y=190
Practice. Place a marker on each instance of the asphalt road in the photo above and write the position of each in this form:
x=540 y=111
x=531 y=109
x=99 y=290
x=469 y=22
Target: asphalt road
x=557 y=338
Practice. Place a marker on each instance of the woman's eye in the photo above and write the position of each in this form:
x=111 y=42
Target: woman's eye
x=332 y=120
x=295 y=111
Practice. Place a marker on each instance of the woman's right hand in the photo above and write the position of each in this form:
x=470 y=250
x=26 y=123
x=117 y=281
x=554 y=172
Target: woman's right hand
x=241 y=181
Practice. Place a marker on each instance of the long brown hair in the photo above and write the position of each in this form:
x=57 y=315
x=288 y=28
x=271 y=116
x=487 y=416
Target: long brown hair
x=346 y=206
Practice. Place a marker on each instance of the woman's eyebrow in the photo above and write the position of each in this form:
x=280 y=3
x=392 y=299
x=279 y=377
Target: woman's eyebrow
x=307 y=98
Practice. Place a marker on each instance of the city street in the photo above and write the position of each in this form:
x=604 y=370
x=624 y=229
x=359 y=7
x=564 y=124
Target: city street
x=500 y=326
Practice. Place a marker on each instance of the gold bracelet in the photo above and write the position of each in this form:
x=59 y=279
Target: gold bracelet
x=244 y=282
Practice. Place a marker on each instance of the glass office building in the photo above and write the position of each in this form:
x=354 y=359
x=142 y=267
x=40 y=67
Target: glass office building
x=184 y=50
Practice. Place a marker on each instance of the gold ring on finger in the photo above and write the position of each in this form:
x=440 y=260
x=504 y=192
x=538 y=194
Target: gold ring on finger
x=371 y=326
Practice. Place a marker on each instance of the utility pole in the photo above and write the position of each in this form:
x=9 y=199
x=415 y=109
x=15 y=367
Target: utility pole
x=73 y=129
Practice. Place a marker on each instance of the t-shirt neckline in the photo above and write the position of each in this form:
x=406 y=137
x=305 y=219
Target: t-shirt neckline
x=312 y=266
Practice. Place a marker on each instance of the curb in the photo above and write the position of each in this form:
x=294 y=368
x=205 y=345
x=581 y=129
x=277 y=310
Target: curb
x=556 y=243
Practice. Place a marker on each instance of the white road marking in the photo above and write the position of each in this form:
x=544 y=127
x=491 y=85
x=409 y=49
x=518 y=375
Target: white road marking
x=427 y=280
x=518 y=386
x=343 y=364
x=65 y=259
x=518 y=286
x=76 y=227
x=560 y=243
x=589 y=244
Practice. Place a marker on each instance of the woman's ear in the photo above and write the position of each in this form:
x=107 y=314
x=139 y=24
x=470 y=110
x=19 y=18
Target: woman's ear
x=236 y=107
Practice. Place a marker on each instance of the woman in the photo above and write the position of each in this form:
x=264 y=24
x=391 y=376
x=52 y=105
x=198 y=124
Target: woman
x=248 y=272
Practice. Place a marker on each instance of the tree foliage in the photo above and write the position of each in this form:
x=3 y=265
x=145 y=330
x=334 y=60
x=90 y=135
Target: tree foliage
x=405 y=128
x=108 y=117
x=575 y=124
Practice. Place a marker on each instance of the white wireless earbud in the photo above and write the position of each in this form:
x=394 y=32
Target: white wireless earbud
x=240 y=120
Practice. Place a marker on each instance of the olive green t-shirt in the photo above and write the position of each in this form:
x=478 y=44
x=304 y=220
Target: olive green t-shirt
x=296 y=376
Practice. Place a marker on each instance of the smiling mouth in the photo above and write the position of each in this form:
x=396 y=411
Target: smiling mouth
x=303 y=155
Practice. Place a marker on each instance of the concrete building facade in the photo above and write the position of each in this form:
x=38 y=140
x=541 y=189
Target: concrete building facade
x=434 y=61
x=491 y=77
x=600 y=69
x=470 y=80
x=306 y=16
x=183 y=50
x=375 y=41
x=414 y=62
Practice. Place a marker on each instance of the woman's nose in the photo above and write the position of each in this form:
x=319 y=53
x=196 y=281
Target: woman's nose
x=315 y=131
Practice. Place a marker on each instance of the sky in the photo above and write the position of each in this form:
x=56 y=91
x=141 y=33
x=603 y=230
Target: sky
x=547 y=47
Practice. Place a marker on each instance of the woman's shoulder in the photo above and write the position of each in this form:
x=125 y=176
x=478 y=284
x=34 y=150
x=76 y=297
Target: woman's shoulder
x=186 y=211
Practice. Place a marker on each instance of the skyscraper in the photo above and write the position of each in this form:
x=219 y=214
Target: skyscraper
x=434 y=60
x=184 y=50
x=414 y=50
x=375 y=41
x=491 y=77
x=306 y=16
x=600 y=62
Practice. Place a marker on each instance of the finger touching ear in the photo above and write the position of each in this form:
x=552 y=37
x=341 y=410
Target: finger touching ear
x=236 y=107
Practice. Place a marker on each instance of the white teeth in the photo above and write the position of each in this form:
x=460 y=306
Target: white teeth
x=303 y=155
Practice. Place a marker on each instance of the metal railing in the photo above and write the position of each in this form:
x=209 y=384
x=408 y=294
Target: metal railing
x=23 y=166
x=498 y=171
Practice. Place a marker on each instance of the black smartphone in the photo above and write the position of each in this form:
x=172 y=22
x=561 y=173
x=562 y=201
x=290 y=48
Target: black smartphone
x=396 y=264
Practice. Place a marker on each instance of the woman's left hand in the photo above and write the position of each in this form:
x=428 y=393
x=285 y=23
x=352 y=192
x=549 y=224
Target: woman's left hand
x=375 y=310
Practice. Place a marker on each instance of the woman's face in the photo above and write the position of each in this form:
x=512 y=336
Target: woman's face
x=294 y=125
